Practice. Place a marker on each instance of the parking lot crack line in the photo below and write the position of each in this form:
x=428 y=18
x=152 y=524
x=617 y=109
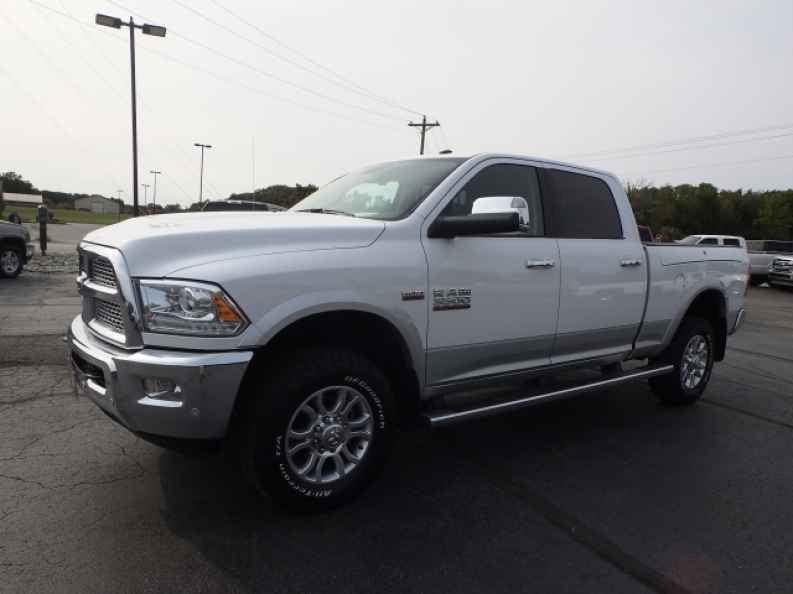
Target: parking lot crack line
x=748 y=413
x=586 y=536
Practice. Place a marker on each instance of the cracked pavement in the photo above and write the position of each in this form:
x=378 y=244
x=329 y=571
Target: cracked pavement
x=610 y=492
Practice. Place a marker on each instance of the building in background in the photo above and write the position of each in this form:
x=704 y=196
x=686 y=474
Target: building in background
x=98 y=204
x=13 y=199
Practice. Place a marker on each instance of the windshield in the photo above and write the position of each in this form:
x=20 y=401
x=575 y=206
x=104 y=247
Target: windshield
x=690 y=240
x=388 y=191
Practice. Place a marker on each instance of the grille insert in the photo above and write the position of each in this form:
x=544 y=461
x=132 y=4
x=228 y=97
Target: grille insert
x=101 y=272
x=109 y=314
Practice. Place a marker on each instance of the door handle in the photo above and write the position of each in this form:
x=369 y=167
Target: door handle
x=540 y=264
x=630 y=262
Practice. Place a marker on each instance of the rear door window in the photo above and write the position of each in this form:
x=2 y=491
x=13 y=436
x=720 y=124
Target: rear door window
x=732 y=242
x=583 y=206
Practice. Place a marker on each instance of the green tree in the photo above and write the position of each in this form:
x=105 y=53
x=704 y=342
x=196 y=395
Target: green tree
x=15 y=183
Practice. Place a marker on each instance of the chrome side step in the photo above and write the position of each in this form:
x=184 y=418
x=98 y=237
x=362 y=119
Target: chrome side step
x=440 y=418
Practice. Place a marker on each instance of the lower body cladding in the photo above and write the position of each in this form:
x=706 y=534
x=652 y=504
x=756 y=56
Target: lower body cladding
x=177 y=394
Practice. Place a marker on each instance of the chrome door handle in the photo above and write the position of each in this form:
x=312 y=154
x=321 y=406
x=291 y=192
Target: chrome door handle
x=540 y=264
x=630 y=262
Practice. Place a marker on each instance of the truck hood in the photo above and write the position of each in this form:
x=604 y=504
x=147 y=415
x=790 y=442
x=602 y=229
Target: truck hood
x=161 y=245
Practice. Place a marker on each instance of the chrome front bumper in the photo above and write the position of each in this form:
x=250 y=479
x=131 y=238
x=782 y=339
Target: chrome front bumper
x=200 y=405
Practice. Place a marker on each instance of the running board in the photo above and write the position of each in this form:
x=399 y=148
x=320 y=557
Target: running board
x=440 y=418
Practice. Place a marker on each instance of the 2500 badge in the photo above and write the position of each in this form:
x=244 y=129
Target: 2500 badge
x=443 y=299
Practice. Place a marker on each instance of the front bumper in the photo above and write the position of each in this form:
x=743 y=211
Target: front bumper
x=29 y=251
x=199 y=408
x=781 y=278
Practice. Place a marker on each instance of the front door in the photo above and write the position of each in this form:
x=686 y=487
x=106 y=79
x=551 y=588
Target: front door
x=493 y=299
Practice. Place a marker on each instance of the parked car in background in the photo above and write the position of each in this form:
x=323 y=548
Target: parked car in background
x=728 y=240
x=226 y=205
x=761 y=255
x=15 y=249
x=780 y=273
x=307 y=338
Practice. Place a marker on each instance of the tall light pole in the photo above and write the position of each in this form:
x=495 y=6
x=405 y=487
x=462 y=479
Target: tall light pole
x=120 y=206
x=145 y=195
x=156 y=173
x=157 y=31
x=201 y=178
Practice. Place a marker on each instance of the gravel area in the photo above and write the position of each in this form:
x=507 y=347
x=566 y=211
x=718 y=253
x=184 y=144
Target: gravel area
x=53 y=263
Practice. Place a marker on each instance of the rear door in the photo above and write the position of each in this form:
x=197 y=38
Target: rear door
x=493 y=299
x=603 y=276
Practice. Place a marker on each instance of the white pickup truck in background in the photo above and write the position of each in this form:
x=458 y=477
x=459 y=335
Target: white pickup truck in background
x=434 y=288
x=762 y=253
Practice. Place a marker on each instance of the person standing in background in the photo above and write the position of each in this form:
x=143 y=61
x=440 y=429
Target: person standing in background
x=41 y=218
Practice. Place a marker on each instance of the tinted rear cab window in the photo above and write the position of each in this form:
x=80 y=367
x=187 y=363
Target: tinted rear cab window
x=583 y=206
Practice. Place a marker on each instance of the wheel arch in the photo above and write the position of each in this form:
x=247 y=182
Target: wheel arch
x=711 y=305
x=370 y=333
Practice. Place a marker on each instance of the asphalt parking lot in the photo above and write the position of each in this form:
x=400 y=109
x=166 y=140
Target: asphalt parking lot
x=610 y=492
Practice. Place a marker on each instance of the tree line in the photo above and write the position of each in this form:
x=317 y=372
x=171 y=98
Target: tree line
x=677 y=211
x=671 y=211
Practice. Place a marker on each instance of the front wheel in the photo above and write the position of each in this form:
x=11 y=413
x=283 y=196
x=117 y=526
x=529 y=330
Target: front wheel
x=692 y=354
x=11 y=261
x=319 y=431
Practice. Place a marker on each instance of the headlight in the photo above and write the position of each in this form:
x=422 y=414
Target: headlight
x=191 y=308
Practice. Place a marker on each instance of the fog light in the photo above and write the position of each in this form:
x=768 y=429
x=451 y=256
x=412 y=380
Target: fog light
x=157 y=387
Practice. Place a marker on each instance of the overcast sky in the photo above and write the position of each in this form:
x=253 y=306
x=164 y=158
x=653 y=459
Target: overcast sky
x=554 y=79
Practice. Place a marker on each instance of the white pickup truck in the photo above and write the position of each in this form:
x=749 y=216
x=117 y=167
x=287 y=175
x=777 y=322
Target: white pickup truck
x=435 y=288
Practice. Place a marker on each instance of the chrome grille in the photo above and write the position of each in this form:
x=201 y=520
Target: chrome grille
x=109 y=314
x=101 y=272
x=782 y=265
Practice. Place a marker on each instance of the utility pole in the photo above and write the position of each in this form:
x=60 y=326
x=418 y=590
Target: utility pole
x=145 y=195
x=201 y=178
x=157 y=31
x=154 y=200
x=120 y=206
x=424 y=126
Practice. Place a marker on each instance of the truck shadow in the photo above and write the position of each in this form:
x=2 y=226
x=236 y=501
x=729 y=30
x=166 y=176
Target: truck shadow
x=437 y=520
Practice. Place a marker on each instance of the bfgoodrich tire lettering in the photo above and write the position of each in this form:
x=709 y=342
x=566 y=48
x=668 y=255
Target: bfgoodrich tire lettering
x=320 y=430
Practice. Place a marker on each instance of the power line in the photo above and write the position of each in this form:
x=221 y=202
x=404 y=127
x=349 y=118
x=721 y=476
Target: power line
x=314 y=62
x=264 y=72
x=691 y=140
x=693 y=148
x=723 y=164
x=345 y=85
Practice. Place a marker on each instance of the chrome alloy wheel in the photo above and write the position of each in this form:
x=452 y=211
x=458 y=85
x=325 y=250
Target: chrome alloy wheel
x=329 y=434
x=694 y=364
x=9 y=262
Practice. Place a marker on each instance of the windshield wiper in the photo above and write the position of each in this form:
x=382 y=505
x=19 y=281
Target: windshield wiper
x=327 y=211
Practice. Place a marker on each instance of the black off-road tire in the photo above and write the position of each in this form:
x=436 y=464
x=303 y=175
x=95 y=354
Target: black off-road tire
x=670 y=388
x=756 y=281
x=274 y=400
x=11 y=250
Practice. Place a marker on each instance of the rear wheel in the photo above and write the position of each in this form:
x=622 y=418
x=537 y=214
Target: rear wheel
x=319 y=432
x=11 y=261
x=692 y=354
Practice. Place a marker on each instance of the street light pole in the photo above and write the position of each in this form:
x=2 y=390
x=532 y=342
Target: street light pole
x=154 y=199
x=157 y=31
x=201 y=178
x=145 y=195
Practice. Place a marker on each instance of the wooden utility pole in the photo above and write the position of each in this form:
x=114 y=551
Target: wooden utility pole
x=424 y=126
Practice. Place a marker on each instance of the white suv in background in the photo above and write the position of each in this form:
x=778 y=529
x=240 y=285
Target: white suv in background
x=728 y=240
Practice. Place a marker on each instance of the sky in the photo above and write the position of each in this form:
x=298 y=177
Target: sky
x=301 y=92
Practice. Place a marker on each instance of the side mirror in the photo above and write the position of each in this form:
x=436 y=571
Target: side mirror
x=474 y=224
x=490 y=204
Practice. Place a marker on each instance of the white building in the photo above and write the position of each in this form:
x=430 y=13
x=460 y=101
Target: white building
x=98 y=204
